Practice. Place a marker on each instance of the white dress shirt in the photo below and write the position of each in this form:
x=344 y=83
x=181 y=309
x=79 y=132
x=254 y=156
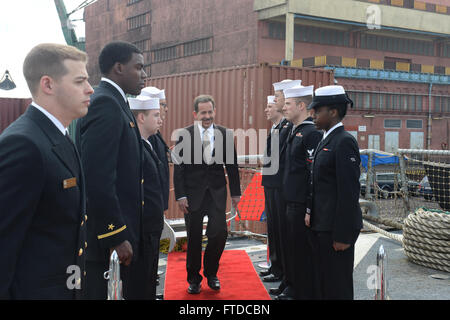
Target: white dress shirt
x=340 y=124
x=115 y=85
x=211 y=134
x=52 y=118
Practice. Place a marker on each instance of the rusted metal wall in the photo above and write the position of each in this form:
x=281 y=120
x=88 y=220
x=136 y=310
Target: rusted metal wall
x=240 y=94
x=10 y=110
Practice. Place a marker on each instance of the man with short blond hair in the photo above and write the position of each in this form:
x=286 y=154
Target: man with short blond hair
x=42 y=195
x=300 y=146
x=148 y=118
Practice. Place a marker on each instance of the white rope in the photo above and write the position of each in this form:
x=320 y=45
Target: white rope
x=425 y=239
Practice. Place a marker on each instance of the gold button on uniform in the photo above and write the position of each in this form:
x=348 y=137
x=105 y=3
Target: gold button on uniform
x=82 y=222
x=85 y=244
x=142 y=203
x=80 y=252
x=142 y=181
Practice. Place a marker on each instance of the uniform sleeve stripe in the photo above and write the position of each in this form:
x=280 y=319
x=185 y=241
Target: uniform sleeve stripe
x=101 y=236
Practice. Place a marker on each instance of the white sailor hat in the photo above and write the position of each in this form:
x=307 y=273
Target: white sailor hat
x=286 y=84
x=299 y=91
x=270 y=99
x=153 y=92
x=144 y=103
x=333 y=96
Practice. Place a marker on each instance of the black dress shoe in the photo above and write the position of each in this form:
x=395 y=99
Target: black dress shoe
x=264 y=273
x=275 y=291
x=214 y=283
x=284 y=296
x=194 y=288
x=271 y=278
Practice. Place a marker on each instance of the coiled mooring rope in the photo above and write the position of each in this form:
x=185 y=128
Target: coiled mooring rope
x=425 y=239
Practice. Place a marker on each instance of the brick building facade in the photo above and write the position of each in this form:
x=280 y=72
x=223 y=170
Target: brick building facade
x=398 y=73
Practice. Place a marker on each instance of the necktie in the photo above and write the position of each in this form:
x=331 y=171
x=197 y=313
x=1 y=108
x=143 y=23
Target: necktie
x=69 y=138
x=207 y=152
x=75 y=158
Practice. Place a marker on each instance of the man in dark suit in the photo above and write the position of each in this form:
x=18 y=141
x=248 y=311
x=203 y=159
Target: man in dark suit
x=110 y=146
x=300 y=145
x=275 y=206
x=201 y=153
x=336 y=216
x=42 y=197
x=147 y=113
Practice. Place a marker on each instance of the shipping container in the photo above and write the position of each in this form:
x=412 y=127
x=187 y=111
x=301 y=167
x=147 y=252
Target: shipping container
x=240 y=94
x=11 y=109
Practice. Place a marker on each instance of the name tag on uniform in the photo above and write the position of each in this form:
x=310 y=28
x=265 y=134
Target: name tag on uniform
x=70 y=183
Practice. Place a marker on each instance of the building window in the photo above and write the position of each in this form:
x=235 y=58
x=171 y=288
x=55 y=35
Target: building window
x=320 y=35
x=138 y=21
x=446 y=50
x=148 y=70
x=382 y=43
x=442 y=104
x=164 y=54
x=392 y=123
x=310 y=34
x=131 y=2
x=414 y=124
x=197 y=47
x=143 y=45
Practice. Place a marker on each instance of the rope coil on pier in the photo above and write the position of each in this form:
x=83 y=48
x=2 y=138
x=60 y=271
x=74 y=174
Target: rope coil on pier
x=425 y=239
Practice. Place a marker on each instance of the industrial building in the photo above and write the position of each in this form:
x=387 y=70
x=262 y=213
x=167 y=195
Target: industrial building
x=392 y=56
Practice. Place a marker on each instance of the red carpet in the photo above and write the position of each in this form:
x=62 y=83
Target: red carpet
x=238 y=279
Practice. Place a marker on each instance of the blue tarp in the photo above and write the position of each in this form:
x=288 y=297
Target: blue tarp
x=379 y=158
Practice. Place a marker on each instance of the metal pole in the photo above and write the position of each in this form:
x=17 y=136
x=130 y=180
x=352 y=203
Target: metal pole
x=381 y=288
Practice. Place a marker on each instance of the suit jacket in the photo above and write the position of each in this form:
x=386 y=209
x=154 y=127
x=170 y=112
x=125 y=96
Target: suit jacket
x=335 y=187
x=42 y=215
x=162 y=150
x=192 y=176
x=109 y=142
x=300 y=145
x=275 y=180
x=153 y=219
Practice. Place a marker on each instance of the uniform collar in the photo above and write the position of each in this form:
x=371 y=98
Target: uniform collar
x=51 y=117
x=326 y=134
x=115 y=85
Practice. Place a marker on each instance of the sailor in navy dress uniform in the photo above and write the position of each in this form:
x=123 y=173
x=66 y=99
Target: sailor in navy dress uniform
x=301 y=143
x=157 y=140
x=110 y=146
x=336 y=215
x=275 y=204
x=146 y=110
x=42 y=196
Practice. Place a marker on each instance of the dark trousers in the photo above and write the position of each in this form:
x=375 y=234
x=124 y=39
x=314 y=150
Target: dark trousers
x=335 y=268
x=217 y=233
x=151 y=258
x=299 y=268
x=273 y=234
x=133 y=286
x=282 y=235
